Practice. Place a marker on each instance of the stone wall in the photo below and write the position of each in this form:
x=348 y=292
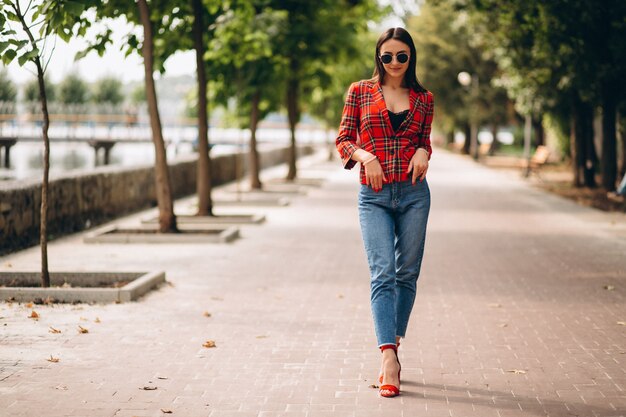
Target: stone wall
x=81 y=200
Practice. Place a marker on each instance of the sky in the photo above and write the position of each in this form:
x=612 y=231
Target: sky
x=128 y=69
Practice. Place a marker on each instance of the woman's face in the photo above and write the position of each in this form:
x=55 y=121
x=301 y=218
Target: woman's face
x=398 y=51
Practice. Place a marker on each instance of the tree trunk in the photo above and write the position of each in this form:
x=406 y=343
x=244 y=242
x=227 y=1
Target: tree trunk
x=622 y=170
x=203 y=173
x=43 y=213
x=591 y=155
x=609 y=139
x=167 y=220
x=586 y=157
x=540 y=136
x=467 y=131
x=494 y=144
x=450 y=137
x=293 y=112
x=576 y=151
x=43 y=223
x=255 y=182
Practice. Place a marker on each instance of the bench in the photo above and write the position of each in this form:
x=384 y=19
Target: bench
x=536 y=161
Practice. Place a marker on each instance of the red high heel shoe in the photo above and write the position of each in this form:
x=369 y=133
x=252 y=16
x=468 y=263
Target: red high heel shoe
x=394 y=391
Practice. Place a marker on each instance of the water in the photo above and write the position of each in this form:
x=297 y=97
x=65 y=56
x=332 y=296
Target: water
x=27 y=156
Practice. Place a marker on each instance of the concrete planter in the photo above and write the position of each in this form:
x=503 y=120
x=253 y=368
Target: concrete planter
x=149 y=234
x=84 y=287
x=307 y=182
x=222 y=220
x=249 y=200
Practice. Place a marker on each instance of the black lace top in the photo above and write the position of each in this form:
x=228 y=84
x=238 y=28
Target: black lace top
x=397 y=118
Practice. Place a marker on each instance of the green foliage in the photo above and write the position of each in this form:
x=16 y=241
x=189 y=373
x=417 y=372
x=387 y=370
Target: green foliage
x=31 y=90
x=8 y=92
x=316 y=39
x=59 y=17
x=171 y=28
x=449 y=43
x=108 y=90
x=138 y=95
x=327 y=98
x=241 y=59
x=551 y=52
x=73 y=90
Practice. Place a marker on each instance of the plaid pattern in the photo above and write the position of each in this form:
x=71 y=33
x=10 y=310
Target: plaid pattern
x=365 y=124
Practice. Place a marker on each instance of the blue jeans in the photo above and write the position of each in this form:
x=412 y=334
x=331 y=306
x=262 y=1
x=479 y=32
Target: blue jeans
x=393 y=225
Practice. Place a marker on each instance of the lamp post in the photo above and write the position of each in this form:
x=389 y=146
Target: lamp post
x=466 y=79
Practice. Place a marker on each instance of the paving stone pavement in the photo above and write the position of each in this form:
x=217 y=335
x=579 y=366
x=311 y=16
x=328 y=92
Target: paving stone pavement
x=512 y=316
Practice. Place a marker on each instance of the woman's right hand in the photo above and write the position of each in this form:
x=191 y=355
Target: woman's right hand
x=374 y=175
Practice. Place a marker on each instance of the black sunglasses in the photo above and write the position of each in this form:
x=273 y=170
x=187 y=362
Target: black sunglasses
x=402 y=57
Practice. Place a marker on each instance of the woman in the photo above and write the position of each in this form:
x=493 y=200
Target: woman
x=386 y=127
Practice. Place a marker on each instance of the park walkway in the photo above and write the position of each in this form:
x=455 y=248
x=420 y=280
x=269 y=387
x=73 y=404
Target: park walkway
x=520 y=312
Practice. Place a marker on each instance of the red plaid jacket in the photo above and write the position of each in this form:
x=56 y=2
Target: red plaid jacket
x=365 y=124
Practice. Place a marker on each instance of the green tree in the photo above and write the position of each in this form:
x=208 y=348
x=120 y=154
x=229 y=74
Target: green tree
x=154 y=18
x=8 y=92
x=313 y=35
x=201 y=17
x=250 y=73
x=567 y=57
x=448 y=45
x=327 y=98
x=173 y=26
x=28 y=48
x=138 y=95
x=31 y=90
x=73 y=90
x=108 y=90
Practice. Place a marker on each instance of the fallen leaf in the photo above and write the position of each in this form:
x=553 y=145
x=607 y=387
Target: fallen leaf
x=516 y=371
x=53 y=330
x=148 y=388
x=374 y=386
x=503 y=325
x=83 y=319
x=209 y=344
x=61 y=387
x=206 y=314
x=495 y=305
x=97 y=320
x=340 y=296
x=29 y=305
x=161 y=377
x=217 y=298
x=53 y=360
x=166 y=411
x=81 y=329
x=8 y=265
x=261 y=336
x=621 y=323
x=33 y=315
x=609 y=287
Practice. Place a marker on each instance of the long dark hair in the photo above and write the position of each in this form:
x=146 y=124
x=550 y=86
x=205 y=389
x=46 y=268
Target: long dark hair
x=410 y=77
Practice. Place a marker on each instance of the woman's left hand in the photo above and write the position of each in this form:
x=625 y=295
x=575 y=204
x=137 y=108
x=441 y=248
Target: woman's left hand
x=419 y=165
